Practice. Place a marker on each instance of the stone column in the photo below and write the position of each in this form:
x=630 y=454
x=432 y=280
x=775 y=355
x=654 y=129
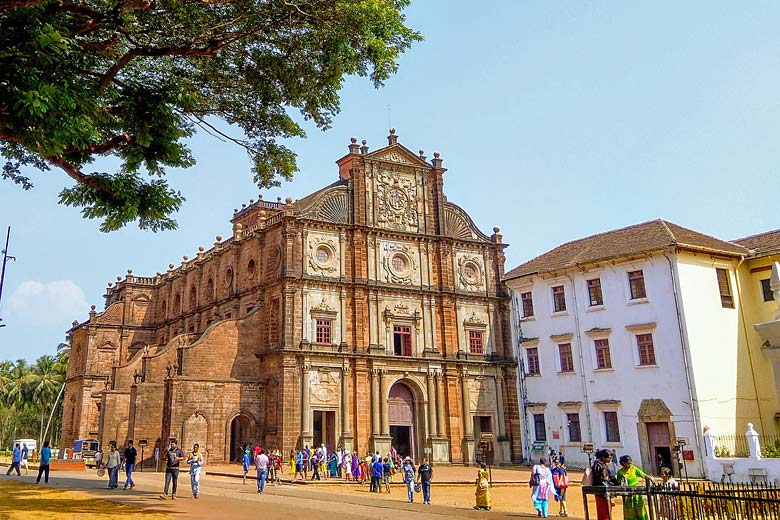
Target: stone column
x=383 y=403
x=306 y=406
x=441 y=405
x=500 y=404
x=433 y=429
x=468 y=427
x=345 y=400
x=375 y=404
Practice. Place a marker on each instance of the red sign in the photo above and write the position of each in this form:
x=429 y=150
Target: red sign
x=556 y=435
x=687 y=454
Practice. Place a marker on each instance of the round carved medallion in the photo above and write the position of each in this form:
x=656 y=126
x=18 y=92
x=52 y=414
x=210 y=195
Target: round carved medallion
x=397 y=199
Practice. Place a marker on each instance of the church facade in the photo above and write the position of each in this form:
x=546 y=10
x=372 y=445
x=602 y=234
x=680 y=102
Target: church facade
x=368 y=314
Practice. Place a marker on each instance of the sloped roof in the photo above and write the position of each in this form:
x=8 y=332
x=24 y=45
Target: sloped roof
x=639 y=238
x=762 y=243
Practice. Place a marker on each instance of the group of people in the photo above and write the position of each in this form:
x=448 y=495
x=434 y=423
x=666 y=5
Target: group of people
x=20 y=456
x=268 y=465
x=602 y=475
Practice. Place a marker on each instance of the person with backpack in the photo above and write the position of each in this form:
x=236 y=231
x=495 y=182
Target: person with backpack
x=561 y=481
x=542 y=484
x=601 y=475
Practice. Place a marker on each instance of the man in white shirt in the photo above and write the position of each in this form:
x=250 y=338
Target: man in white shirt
x=261 y=463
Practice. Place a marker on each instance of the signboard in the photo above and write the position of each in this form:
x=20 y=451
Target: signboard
x=143 y=442
x=538 y=446
x=556 y=435
x=687 y=454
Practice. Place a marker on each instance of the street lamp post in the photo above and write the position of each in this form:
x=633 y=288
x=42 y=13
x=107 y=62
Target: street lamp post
x=6 y=257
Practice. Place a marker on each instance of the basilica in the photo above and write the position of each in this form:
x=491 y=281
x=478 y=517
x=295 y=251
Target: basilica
x=368 y=314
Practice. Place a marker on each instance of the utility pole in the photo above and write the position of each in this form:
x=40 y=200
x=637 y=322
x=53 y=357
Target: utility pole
x=5 y=260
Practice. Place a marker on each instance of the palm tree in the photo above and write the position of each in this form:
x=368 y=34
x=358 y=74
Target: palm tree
x=17 y=389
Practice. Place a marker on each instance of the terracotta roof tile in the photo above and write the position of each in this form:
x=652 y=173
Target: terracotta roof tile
x=762 y=243
x=639 y=238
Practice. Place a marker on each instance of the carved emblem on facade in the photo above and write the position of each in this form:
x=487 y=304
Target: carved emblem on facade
x=395 y=157
x=396 y=201
x=398 y=263
x=483 y=394
x=324 y=385
x=470 y=274
x=474 y=321
x=323 y=256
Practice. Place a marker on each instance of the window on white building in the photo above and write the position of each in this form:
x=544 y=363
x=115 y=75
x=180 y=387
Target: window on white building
x=724 y=287
x=528 y=304
x=323 y=331
x=612 y=427
x=559 y=298
x=603 y=357
x=566 y=358
x=644 y=343
x=540 y=429
x=594 y=292
x=573 y=425
x=636 y=284
x=532 y=358
x=475 y=341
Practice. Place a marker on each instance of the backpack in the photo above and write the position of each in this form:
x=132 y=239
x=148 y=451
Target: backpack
x=587 y=477
x=535 y=479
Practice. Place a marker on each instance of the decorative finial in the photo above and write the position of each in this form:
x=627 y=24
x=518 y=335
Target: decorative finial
x=496 y=229
x=251 y=201
x=92 y=307
x=243 y=206
x=288 y=200
x=392 y=138
x=129 y=271
x=278 y=200
x=259 y=197
x=170 y=266
x=392 y=131
x=118 y=278
x=185 y=257
x=201 y=248
x=110 y=284
x=219 y=238
x=353 y=140
x=436 y=154
x=74 y=323
x=159 y=273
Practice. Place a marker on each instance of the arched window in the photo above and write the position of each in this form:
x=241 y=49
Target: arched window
x=251 y=267
x=210 y=289
x=193 y=297
x=229 y=279
x=164 y=308
x=177 y=304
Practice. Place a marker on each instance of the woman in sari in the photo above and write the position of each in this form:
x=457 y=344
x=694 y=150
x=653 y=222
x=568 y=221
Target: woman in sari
x=333 y=466
x=355 y=467
x=482 y=491
x=629 y=475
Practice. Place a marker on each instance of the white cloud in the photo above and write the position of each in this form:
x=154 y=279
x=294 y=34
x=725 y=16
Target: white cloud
x=58 y=302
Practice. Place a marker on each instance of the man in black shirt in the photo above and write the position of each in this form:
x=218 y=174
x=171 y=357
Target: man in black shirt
x=130 y=455
x=424 y=476
x=172 y=459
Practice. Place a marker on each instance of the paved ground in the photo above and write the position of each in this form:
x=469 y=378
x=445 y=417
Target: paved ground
x=224 y=497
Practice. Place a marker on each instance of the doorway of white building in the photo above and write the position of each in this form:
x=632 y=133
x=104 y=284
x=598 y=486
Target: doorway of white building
x=659 y=441
x=325 y=428
x=401 y=412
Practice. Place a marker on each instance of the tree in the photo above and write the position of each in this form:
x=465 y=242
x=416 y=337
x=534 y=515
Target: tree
x=133 y=79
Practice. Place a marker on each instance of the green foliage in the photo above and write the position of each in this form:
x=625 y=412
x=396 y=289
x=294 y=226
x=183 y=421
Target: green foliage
x=27 y=395
x=135 y=79
x=722 y=451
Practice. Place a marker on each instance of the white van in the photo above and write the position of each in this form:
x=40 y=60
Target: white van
x=32 y=444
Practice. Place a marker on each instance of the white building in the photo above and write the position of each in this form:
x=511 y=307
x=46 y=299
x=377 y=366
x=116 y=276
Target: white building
x=628 y=339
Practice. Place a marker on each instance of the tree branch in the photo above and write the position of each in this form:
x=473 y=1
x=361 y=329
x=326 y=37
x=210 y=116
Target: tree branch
x=102 y=148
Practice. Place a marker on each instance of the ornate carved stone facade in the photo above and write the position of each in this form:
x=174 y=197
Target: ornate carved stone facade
x=366 y=314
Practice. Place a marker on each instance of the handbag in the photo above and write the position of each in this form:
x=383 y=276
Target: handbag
x=417 y=487
x=563 y=481
x=534 y=481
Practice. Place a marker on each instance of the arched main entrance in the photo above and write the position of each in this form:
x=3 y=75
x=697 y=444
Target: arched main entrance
x=402 y=420
x=240 y=434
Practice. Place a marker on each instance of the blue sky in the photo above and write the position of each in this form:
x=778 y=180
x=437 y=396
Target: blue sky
x=556 y=120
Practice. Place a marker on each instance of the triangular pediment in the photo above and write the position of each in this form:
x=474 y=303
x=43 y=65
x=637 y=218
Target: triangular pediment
x=399 y=154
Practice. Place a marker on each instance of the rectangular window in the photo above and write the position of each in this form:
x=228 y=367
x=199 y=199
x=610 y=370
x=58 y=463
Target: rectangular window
x=533 y=361
x=766 y=290
x=559 y=299
x=475 y=341
x=594 y=292
x=644 y=343
x=573 y=420
x=636 y=283
x=528 y=304
x=402 y=340
x=567 y=360
x=613 y=430
x=603 y=359
x=540 y=430
x=724 y=286
x=323 y=331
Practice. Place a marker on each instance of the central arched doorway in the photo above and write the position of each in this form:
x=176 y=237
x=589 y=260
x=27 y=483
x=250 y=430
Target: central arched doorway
x=402 y=418
x=240 y=434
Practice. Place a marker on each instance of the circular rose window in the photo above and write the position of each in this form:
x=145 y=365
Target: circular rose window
x=469 y=272
x=323 y=255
